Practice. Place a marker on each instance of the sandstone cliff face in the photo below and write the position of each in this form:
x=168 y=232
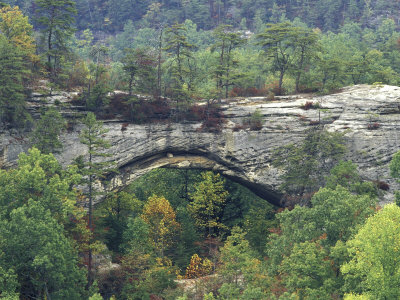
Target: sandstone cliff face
x=369 y=115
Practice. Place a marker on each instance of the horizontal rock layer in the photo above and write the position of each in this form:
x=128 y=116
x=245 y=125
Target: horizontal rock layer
x=369 y=116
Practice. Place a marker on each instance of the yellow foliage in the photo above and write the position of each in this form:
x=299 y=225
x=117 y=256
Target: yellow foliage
x=161 y=217
x=198 y=267
x=16 y=28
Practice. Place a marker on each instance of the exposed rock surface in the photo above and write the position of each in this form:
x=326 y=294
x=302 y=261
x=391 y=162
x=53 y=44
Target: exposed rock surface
x=369 y=115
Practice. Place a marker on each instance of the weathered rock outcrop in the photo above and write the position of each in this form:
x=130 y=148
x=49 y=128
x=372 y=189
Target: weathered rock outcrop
x=369 y=115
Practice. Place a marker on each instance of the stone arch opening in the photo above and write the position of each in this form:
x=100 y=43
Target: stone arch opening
x=132 y=170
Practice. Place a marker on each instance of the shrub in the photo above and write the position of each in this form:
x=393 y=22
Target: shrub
x=274 y=88
x=314 y=122
x=382 y=185
x=310 y=105
x=373 y=126
x=124 y=126
x=255 y=121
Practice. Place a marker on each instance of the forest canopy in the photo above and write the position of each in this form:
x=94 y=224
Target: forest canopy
x=190 y=234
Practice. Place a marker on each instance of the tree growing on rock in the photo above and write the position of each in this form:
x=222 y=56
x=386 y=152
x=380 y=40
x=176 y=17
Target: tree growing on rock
x=56 y=18
x=180 y=50
x=47 y=132
x=226 y=41
x=288 y=47
x=93 y=170
x=307 y=163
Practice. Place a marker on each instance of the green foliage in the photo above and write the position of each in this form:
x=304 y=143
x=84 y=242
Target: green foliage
x=13 y=71
x=8 y=284
x=311 y=237
x=35 y=246
x=256 y=120
x=140 y=67
x=237 y=260
x=113 y=214
x=181 y=53
x=39 y=177
x=306 y=164
x=16 y=28
x=91 y=136
x=307 y=271
x=345 y=174
x=260 y=216
x=146 y=276
x=395 y=165
x=47 y=132
x=289 y=48
x=56 y=18
x=225 y=71
x=373 y=268
x=137 y=237
x=208 y=200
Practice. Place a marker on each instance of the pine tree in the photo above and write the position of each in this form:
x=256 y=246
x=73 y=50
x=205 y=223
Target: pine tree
x=47 y=132
x=56 y=18
x=140 y=67
x=91 y=136
x=226 y=42
x=12 y=74
x=180 y=50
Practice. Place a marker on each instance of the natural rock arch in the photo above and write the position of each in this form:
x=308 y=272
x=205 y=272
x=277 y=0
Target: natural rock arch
x=369 y=116
x=131 y=171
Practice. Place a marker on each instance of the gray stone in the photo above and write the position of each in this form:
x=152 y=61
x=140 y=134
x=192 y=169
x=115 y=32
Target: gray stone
x=369 y=116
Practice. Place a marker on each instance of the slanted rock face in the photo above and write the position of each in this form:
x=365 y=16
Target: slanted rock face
x=369 y=115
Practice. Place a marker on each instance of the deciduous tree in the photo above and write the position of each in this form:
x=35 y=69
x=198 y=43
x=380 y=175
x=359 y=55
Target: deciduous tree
x=207 y=204
x=160 y=216
x=374 y=266
x=16 y=28
x=43 y=258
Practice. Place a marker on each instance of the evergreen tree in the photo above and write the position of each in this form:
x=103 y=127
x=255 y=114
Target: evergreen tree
x=180 y=51
x=12 y=72
x=47 y=132
x=226 y=42
x=139 y=66
x=56 y=18
x=307 y=164
x=91 y=136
